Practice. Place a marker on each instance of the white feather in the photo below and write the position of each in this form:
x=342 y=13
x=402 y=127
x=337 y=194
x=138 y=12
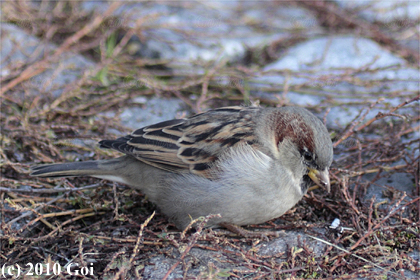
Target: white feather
x=113 y=178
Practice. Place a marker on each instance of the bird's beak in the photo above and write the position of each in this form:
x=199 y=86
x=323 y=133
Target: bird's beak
x=321 y=178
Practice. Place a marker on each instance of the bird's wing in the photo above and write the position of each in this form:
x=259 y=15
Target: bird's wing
x=191 y=144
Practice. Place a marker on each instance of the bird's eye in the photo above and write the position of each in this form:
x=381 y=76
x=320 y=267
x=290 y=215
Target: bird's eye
x=307 y=156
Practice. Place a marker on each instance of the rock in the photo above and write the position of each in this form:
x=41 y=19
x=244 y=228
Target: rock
x=20 y=48
x=330 y=71
x=155 y=110
x=187 y=33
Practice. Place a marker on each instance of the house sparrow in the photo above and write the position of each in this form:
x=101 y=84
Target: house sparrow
x=249 y=164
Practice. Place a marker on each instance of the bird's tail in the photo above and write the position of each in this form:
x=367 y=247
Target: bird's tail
x=126 y=169
x=94 y=168
x=86 y=168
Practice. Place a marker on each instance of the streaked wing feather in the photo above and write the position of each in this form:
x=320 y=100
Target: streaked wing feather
x=192 y=144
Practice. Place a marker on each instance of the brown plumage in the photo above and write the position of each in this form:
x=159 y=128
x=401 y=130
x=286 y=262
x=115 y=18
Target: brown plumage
x=225 y=161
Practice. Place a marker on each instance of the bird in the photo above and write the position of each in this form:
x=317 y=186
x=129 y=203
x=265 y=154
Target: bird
x=248 y=164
